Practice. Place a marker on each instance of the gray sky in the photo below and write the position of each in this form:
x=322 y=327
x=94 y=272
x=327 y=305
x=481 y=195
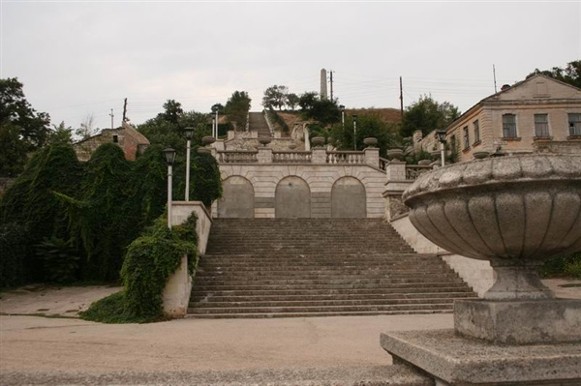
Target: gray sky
x=77 y=58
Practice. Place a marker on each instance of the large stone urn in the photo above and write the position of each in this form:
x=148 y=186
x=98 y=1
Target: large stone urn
x=516 y=212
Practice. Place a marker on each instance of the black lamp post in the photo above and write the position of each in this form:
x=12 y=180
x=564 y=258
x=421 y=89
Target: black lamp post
x=170 y=157
x=441 y=137
x=189 y=134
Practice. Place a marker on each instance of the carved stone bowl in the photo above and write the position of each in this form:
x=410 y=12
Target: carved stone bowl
x=515 y=211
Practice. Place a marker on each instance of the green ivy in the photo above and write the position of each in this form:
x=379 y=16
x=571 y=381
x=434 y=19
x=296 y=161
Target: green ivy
x=150 y=260
x=60 y=259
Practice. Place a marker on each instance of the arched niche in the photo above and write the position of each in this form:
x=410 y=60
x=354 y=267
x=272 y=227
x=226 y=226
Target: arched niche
x=348 y=199
x=237 y=198
x=292 y=198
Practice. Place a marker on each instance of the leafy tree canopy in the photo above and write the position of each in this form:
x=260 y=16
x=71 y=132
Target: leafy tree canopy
x=427 y=115
x=22 y=129
x=275 y=97
x=325 y=111
x=571 y=74
x=237 y=108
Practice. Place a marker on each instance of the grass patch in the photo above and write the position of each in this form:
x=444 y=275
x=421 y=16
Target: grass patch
x=112 y=309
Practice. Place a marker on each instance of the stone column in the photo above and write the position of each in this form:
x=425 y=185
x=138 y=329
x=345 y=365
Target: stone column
x=395 y=171
x=264 y=155
x=319 y=156
x=372 y=156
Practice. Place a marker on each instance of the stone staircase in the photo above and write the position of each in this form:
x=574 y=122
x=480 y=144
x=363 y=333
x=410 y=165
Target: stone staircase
x=317 y=267
x=257 y=122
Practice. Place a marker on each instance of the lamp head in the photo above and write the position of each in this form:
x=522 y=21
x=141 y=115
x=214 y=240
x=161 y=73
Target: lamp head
x=441 y=136
x=189 y=133
x=170 y=156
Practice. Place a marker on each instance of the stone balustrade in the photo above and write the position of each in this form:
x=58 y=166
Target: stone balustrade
x=265 y=155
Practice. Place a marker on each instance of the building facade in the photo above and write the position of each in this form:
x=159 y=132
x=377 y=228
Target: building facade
x=537 y=114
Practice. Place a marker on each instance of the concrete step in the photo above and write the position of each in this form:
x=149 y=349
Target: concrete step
x=329 y=297
x=212 y=303
x=258 y=315
x=307 y=309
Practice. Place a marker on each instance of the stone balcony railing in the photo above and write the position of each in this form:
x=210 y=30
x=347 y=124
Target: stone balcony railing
x=265 y=155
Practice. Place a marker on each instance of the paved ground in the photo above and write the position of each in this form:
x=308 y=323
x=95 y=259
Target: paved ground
x=42 y=350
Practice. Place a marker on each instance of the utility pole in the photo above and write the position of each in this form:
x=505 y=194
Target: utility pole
x=494 y=75
x=111 y=115
x=331 y=83
x=125 y=110
x=401 y=97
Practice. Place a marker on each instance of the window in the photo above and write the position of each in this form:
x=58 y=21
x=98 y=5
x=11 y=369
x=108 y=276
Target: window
x=476 y=126
x=466 y=137
x=542 y=125
x=575 y=124
x=509 y=126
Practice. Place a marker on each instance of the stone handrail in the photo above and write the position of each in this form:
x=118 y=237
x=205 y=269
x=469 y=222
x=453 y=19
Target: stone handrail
x=414 y=171
x=383 y=163
x=237 y=156
x=346 y=157
x=291 y=156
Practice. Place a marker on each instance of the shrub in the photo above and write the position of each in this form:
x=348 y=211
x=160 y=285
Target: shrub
x=569 y=265
x=150 y=260
x=30 y=203
x=14 y=245
x=60 y=259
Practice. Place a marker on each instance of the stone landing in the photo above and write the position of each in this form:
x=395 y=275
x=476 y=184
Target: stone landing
x=454 y=360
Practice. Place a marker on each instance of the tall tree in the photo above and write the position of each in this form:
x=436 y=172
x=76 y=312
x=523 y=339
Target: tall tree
x=237 y=108
x=87 y=128
x=22 y=129
x=292 y=100
x=570 y=74
x=275 y=97
x=427 y=115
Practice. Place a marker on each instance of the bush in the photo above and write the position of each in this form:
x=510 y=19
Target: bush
x=30 y=204
x=14 y=245
x=60 y=259
x=150 y=260
x=562 y=266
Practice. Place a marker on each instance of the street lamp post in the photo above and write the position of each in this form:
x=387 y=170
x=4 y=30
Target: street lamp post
x=215 y=131
x=342 y=108
x=170 y=156
x=189 y=133
x=354 y=132
x=441 y=137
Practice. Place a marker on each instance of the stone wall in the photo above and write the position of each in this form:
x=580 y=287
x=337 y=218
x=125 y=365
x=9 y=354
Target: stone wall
x=318 y=178
x=478 y=274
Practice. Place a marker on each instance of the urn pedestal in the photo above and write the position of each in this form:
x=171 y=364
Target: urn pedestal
x=516 y=212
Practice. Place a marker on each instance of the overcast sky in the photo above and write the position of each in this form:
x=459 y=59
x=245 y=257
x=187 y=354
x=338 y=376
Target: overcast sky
x=78 y=58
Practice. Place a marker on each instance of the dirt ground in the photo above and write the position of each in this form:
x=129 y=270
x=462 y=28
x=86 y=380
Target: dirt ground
x=67 y=350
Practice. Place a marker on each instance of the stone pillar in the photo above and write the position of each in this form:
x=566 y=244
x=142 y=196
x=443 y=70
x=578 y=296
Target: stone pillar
x=219 y=145
x=264 y=155
x=395 y=171
x=394 y=187
x=372 y=156
x=176 y=294
x=319 y=156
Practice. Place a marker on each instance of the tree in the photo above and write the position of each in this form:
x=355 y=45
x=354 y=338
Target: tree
x=292 y=100
x=368 y=125
x=427 y=115
x=61 y=134
x=87 y=130
x=275 y=96
x=571 y=74
x=325 y=111
x=22 y=129
x=237 y=107
x=173 y=111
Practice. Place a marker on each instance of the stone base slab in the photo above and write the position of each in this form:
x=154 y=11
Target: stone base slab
x=454 y=360
x=519 y=322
